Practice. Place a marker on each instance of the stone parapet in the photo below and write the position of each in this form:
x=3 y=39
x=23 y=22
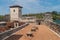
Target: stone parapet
x=11 y=31
x=54 y=26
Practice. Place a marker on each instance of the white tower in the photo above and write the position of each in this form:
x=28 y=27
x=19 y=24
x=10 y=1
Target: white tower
x=15 y=13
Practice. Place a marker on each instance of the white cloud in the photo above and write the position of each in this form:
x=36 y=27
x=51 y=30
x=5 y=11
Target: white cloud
x=56 y=8
x=31 y=5
x=2 y=10
x=36 y=6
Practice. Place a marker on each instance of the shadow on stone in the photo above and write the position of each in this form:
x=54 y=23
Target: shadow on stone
x=14 y=37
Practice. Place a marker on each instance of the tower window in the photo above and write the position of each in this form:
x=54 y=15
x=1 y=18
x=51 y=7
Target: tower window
x=19 y=10
x=14 y=10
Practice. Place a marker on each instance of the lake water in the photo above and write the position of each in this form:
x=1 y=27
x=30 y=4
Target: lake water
x=57 y=21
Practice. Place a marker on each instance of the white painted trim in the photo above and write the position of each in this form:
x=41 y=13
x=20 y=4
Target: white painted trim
x=54 y=32
x=14 y=33
x=8 y=36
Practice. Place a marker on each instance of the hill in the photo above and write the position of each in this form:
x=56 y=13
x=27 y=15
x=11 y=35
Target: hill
x=38 y=15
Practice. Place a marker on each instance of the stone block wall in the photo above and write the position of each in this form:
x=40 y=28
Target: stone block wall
x=11 y=31
x=54 y=26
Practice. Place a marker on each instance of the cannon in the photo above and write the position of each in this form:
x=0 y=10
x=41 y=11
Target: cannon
x=29 y=34
x=34 y=28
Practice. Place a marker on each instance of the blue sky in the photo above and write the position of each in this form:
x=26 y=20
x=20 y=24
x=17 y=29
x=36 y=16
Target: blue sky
x=30 y=6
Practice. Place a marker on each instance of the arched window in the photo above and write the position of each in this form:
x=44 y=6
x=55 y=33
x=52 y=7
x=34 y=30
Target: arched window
x=19 y=10
x=14 y=10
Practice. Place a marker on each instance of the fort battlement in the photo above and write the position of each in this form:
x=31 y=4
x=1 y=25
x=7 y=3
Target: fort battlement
x=11 y=31
x=54 y=26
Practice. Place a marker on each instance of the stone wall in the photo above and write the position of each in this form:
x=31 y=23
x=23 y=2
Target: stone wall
x=11 y=31
x=54 y=26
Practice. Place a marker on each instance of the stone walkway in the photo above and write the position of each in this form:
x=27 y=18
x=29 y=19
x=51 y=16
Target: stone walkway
x=43 y=33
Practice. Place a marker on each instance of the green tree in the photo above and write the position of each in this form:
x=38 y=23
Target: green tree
x=1 y=17
x=54 y=15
